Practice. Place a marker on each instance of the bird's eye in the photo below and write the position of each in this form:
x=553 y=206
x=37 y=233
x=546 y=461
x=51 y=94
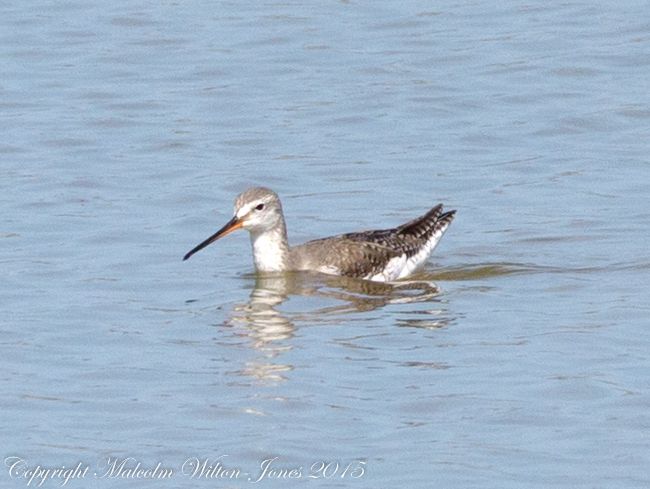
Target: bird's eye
x=259 y=207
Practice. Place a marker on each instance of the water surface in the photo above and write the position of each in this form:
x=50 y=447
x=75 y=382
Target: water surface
x=516 y=358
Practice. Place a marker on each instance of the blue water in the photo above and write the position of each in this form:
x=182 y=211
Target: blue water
x=129 y=128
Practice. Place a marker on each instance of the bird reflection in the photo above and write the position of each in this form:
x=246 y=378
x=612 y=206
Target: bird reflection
x=269 y=329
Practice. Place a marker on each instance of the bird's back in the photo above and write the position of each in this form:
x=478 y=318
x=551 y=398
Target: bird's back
x=381 y=255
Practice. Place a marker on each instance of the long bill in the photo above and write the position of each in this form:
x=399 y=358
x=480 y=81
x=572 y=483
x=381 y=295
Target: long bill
x=234 y=223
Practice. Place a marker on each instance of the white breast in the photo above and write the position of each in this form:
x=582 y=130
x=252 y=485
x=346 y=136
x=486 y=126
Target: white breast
x=269 y=252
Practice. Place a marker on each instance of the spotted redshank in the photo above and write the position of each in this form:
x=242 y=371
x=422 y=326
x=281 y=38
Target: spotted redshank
x=381 y=256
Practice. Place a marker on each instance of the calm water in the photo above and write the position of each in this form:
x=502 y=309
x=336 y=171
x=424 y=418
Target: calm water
x=518 y=358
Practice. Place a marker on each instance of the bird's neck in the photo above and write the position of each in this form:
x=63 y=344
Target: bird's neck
x=271 y=250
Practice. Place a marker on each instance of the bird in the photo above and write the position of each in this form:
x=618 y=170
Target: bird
x=379 y=255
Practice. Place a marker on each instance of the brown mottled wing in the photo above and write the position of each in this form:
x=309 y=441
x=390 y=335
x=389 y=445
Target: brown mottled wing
x=347 y=257
x=366 y=253
x=410 y=237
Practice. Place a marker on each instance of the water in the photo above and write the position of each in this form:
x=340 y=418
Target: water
x=128 y=129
